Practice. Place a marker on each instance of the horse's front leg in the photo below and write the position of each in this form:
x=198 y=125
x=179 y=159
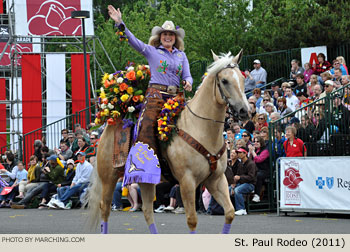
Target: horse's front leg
x=218 y=188
x=147 y=195
x=188 y=195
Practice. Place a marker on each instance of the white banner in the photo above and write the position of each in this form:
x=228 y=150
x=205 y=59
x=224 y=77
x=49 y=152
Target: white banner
x=309 y=54
x=16 y=125
x=56 y=97
x=315 y=183
x=51 y=17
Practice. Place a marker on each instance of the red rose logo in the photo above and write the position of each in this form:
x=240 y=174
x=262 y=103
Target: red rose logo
x=53 y=17
x=21 y=48
x=292 y=178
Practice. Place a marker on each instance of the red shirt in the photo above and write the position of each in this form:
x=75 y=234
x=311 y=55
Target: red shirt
x=320 y=68
x=296 y=149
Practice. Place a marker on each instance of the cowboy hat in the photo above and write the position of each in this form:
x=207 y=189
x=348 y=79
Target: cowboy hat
x=168 y=26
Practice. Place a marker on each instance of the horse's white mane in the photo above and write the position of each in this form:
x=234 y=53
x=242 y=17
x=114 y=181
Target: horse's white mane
x=222 y=62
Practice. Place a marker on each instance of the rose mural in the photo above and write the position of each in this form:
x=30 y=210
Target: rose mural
x=292 y=178
x=53 y=17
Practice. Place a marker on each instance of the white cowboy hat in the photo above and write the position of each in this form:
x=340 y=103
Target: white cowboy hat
x=168 y=26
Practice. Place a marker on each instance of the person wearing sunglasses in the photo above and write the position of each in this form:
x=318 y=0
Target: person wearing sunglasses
x=262 y=122
x=92 y=150
x=336 y=66
x=260 y=155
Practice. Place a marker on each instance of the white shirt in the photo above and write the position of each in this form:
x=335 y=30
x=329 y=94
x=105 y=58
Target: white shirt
x=292 y=102
x=82 y=173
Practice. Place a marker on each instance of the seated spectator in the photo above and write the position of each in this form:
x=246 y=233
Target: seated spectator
x=78 y=135
x=303 y=99
x=284 y=86
x=46 y=151
x=317 y=92
x=32 y=177
x=267 y=98
x=322 y=65
x=260 y=155
x=338 y=66
x=296 y=69
x=262 y=122
x=252 y=99
x=311 y=85
x=343 y=63
x=37 y=148
x=64 y=153
x=337 y=78
x=301 y=85
x=253 y=113
x=43 y=180
x=83 y=146
x=257 y=94
x=277 y=94
x=324 y=77
x=117 y=204
x=308 y=72
x=172 y=196
x=256 y=133
x=231 y=170
x=249 y=82
x=79 y=183
x=328 y=88
x=275 y=116
x=294 y=147
x=241 y=143
x=283 y=110
x=259 y=74
x=270 y=108
x=340 y=115
x=92 y=150
x=264 y=133
x=180 y=206
x=71 y=140
x=246 y=136
x=21 y=180
x=64 y=134
x=21 y=174
x=278 y=144
x=346 y=99
x=345 y=80
x=244 y=180
x=304 y=129
x=10 y=168
x=55 y=173
x=292 y=100
x=275 y=86
x=237 y=131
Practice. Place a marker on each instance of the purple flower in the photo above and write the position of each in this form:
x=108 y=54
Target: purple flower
x=127 y=123
x=177 y=27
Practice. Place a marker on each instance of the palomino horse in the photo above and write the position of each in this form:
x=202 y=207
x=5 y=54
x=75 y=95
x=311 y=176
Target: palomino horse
x=203 y=120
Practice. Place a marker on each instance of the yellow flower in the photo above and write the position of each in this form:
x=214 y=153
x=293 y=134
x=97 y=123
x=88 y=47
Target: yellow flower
x=139 y=74
x=167 y=106
x=103 y=95
x=115 y=113
x=164 y=123
x=97 y=121
x=106 y=111
x=166 y=129
x=160 y=132
x=164 y=136
x=104 y=78
x=141 y=98
x=116 y=90
x=165 y=118
x=176 y=104
x=124 y=98
x=130 y=90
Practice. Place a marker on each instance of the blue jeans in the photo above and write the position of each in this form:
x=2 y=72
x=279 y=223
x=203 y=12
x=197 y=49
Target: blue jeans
x=241 y=189
x=117 y=195
x=78 y=188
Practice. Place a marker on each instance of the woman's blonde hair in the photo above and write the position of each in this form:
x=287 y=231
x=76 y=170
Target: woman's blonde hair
x=155 y=41
x=341 y=60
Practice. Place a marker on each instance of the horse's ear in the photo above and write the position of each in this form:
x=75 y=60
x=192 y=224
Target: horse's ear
x=237 y=59
x=215 y=57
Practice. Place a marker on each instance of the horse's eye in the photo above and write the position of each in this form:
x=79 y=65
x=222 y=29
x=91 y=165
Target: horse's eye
x=224 y=81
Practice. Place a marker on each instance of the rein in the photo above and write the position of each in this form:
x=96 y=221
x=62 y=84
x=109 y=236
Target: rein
x=232 y=65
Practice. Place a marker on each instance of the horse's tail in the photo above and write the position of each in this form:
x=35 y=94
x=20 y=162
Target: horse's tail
x=93 y=199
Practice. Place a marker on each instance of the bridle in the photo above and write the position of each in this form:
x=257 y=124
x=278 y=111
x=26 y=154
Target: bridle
x=222 y=93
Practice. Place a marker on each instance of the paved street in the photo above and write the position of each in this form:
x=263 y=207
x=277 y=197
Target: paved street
x=34 y=221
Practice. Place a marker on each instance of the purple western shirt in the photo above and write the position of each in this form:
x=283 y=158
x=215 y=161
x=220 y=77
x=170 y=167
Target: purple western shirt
x=167 y=68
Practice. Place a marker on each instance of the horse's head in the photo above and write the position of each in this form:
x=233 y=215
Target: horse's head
x=230 y=84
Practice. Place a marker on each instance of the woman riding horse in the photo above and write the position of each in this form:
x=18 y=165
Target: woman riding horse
x=168 y=65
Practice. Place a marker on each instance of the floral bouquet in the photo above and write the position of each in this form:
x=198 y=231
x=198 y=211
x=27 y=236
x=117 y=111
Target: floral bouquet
x=122 y=94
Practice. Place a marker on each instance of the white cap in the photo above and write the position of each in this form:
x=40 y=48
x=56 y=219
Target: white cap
x=257 y=61
x=329 y=82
